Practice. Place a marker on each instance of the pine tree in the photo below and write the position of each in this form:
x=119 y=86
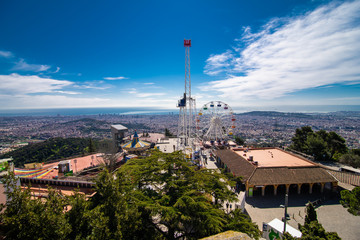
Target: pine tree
x=178 y=195
x=312 y=229
x=310 y=214
x=26 y=217
x=91 y=146
x=351 y=200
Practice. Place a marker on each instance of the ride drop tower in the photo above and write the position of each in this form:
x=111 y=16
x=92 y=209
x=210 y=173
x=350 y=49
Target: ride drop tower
x=187 y=109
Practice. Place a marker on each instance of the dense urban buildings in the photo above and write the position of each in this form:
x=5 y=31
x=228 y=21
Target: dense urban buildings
x=264 y=129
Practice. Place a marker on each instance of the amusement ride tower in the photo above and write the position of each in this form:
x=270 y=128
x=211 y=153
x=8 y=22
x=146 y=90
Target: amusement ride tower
x=187 y=109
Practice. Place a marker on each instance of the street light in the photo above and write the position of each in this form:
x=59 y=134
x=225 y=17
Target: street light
x=286 y=215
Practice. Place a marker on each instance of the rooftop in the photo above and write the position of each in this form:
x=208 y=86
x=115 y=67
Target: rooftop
x=49 y=170
x=238 y=165
x=273 y=157
x=274 y=167
x=279 y=226
x=119 y=127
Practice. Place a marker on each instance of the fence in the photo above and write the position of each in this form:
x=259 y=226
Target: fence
x=346 y=177
x=75 y=184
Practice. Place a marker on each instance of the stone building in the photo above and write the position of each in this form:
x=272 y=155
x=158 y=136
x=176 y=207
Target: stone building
x=272 y=169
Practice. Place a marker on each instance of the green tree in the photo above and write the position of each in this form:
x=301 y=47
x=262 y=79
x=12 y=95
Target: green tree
x=317 y=147
x=25 y=217
x=111 y=204
x=351 y=200
x=312 y=229
x=238 y=221
x=51 y=149
x=177 y=195
x=355 y=151
x=321 y=145
x=91 y=146
x=168 y=133
x=110 y=214
x=163 y=196
x=287 y=236
x=239 y=140
x=337 y=145
x=79 y=217
x=350 y=159
x=310 y=213
x=300 y=137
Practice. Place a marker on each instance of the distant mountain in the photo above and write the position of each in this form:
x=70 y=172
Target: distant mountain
x=276 y=114
x=86 y=121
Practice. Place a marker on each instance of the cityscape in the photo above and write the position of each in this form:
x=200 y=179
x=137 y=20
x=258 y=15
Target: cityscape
x=256 y=128
x=185 y=120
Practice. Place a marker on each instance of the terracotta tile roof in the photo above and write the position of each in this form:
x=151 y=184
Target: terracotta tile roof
x=272 y=175
x=285 y=175
x=236 y=164
x=274 y=157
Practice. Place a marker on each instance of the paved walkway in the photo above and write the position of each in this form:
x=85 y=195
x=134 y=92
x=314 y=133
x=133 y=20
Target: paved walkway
x=331 y=214
x=210 y=163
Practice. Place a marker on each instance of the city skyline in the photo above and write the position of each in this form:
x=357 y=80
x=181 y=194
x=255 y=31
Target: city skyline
x=130 y=54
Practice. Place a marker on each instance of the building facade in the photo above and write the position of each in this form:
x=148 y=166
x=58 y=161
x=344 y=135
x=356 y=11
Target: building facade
x=272 y=169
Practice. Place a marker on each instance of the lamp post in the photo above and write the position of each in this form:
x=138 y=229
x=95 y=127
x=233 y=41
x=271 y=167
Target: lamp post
x=285 y=207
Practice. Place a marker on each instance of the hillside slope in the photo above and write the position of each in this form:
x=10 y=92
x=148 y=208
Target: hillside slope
x=51 y=149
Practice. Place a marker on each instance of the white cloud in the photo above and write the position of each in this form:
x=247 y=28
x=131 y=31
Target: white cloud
x=131 y=90
x=68 y=92
x=14 y=84
x=318 y=48
x=51 y=101
x=115 y=78
x=6 y=54
x=149 y=83
x=138 y=94
x=143 y=95
x=94 y=85
x=21 y=65
x=216 y=64
x=19 y=91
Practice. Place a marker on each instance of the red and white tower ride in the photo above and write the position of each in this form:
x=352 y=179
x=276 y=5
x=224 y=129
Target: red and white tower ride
x=187 y=109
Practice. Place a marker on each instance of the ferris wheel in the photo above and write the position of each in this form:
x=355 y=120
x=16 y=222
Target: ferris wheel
x=215 y=122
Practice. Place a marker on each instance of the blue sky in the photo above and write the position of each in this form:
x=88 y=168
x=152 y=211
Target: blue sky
x=60 y=54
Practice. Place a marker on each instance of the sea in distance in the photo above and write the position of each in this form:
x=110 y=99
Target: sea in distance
x=82 y=111
x=147 y=110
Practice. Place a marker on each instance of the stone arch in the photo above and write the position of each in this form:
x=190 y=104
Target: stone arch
x=293 y=189
x=281 y=189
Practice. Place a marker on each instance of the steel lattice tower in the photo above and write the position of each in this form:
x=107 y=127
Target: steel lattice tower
x=187 y=108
